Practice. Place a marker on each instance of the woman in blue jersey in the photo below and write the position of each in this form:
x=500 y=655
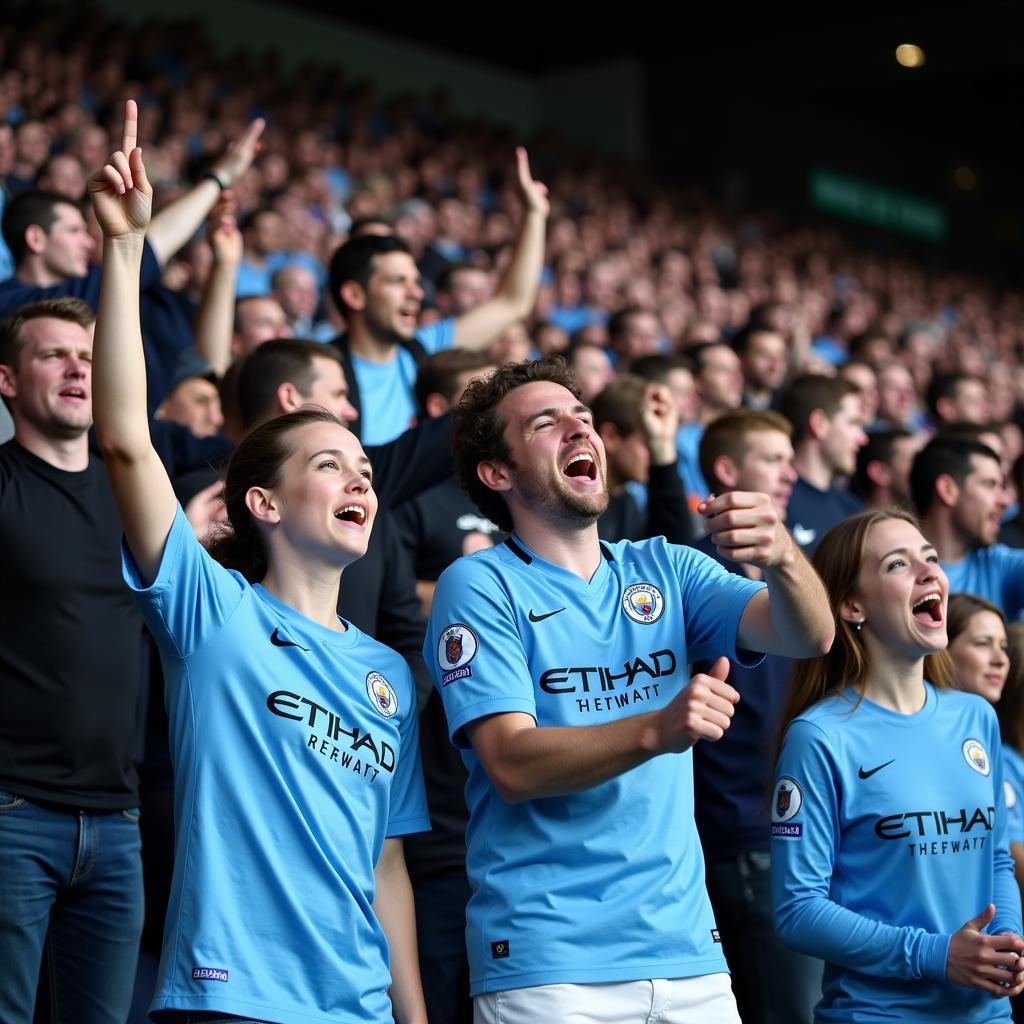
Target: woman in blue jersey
x=293 y=735
x=978 y=648
x=889 y=850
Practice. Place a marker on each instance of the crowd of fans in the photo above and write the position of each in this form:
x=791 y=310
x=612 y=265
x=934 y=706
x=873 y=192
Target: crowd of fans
x=311 y=246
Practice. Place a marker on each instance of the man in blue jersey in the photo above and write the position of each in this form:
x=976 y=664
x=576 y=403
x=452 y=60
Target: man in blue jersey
x=375 y=283
x=561 y=661
x=960 y=494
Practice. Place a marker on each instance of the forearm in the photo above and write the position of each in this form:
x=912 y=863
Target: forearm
x=119 y=366
x=215 y=319
x=541 y=761
x=396 y=913
x=801 y=615
x=819 y=927
x=174 y=225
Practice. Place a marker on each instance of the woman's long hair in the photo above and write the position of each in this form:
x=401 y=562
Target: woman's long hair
x=838 y=562
x=256 y=462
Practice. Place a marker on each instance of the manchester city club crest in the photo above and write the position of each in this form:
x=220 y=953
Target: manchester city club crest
x=456 y=648
x=643 y=602
x=787 y=800
x=976 y=757
x=382 y=695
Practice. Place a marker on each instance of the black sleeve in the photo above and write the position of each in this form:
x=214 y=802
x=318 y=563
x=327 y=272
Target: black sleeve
x=400 y=622
x=668 y=514
x=414 y=462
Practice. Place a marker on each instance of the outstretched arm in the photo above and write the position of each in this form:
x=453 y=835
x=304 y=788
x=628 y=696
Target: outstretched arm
x=517 y=292
x=174 y=225
x=123 y=200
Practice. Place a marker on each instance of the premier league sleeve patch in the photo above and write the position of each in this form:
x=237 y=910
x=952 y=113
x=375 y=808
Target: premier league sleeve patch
x=455 y=650
x=786 y=803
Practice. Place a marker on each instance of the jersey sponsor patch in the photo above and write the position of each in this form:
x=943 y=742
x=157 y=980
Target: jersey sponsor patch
x=976 y=757
x=786 y=803
x=382 y=695
x=643 y=602
x=455 y=650
x=209 y=974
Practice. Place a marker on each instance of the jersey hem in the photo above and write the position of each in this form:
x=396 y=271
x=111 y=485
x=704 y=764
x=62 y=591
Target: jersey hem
x=600 y=975
x=280 y=1015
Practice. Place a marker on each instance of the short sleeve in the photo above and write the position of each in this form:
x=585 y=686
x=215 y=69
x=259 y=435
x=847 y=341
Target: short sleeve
x=436 y=337
x=714 y=600
x=1011 y=573
x=473 y=648
x=192 y=596
x=407 y=807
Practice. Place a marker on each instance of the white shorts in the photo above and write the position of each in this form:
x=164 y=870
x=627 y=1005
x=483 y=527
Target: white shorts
x=705 y=999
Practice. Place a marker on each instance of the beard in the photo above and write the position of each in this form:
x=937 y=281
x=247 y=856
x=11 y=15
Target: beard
x=560 y=501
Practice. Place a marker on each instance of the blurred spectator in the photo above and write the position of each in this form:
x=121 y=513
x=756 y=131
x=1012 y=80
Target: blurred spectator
x=763 y=362
x=31 y=148
x=264 y=233
x=825 y=413
x=957 y=398
x=958 y=491
x=882 y=477
x=897 y=398
x=63 y=175
x=592 y=367
x=295 y=289
x=462 y=287
x=193 y=400
x=863 y=378
x=258 y=318
x=1012 y=533
x=633 y=333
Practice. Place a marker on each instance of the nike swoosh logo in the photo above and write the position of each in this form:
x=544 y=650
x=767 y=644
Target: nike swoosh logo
x=867 y=775
x=546 y=615
x=278 y=641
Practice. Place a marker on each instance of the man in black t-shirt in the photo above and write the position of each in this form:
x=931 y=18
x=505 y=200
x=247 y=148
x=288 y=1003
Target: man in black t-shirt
x=69 y=686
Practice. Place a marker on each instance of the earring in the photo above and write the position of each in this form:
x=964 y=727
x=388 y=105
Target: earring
x=857 y=625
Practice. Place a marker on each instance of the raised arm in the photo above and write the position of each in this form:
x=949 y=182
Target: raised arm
x=517 y=291
x=215 y=319
x=792 y=618
x=174 y=225
x=123 y=200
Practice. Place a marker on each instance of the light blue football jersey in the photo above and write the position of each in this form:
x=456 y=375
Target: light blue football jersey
x=888 y=834
x=295 y=754
x=1013 y=776
x=606 y=884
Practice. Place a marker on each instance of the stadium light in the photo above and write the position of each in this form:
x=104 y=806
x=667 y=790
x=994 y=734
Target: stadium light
x=909 y=55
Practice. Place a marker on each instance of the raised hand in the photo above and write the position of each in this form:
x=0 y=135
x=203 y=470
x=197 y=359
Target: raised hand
x=121 y=195
x=659 y=416
x=747 y=527
x=702 y=711
x=238 y=157
x=992 y=963
x=534 y=194
x=222 y=230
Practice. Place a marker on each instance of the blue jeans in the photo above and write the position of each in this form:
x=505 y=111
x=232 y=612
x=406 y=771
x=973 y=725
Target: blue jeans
x=70 y=894
x=773 y=984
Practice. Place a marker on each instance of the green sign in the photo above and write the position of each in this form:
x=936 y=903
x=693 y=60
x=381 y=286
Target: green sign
x=875 y=204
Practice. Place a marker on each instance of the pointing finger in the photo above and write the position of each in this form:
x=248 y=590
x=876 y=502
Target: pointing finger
x=131 y=126
x=523 y=167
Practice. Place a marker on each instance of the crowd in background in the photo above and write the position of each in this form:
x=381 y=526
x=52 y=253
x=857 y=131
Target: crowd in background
x=674 y=312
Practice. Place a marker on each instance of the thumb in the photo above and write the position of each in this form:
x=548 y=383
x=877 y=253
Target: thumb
x=979 y=922
x=720 y=670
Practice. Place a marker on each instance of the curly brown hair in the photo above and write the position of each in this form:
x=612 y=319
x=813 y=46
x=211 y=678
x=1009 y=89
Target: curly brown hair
x=478 y=433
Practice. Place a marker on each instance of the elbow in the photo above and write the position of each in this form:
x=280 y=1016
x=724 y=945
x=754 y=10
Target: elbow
x=510 y=788
x=825 y=639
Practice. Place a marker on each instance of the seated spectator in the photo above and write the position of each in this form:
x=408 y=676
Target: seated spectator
x=633 y=332
x=194 y=399
x=62 y=174
x=882 y=477
x=958 y=491
x=638 y=421
x=676 y=373
x=264 y=234
x=825 y=413
x=462 y=287
x=863 y=378
x=258 y=318
x=897 y=398
x=295 y=289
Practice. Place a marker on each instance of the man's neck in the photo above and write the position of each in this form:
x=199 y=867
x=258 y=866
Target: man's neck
x=37 y=274
x=949 y=542
x=812 y=468
x=363 y=343
x=68 y=454
x=711 y=412
x=578 y=550
x=758 y=398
